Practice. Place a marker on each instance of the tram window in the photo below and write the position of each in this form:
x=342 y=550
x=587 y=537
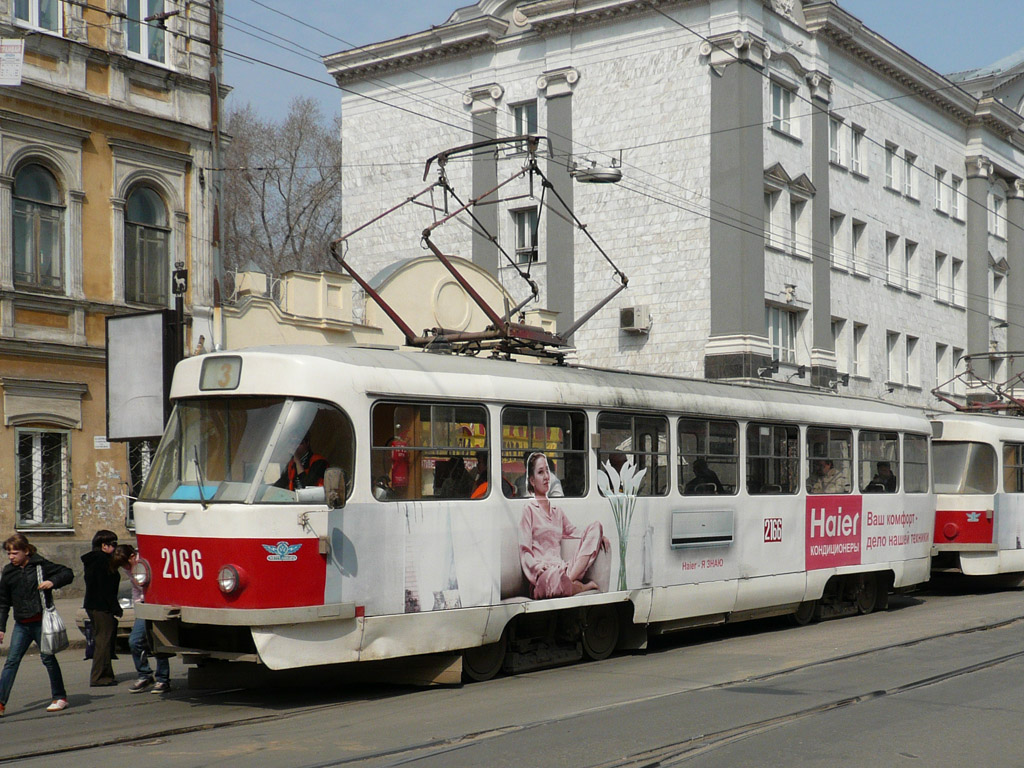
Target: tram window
x=708 y=457
x=560 y=435
x=773 y=458
x=1013 y=467
x=829 y=460
x=915 y=464
x=644 y=439
x=963 y=467
x=878 y=459
x=429 y=450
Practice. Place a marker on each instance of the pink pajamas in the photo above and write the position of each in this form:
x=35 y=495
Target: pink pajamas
x=540 y=541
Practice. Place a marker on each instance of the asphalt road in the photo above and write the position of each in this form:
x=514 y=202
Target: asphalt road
x=937 y=680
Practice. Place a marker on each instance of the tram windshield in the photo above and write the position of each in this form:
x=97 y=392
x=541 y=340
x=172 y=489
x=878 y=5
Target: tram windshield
x=964 y=467
x=249 y=449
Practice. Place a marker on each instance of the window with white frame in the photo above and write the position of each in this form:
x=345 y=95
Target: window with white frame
x=891 y=265
x=782 y=328
x=943 y=371
x=839 y=344
x=958 y=385
x=956 y=201
x=910 y=174
x=941 y=190
x=996 y=215
x=943 y=285
x=525 y=221
x=997 y=294
x=859 y=350
x=892 y=173
x=893 y=368
x=798 y=240
x=911 y=281
x=44 y=477
x=782 y=108
x=858 y=244
x=524 y=118
x=835 y=242
x=912 y=376
x=956 y=278
x=771 y=226
x=147 y=234
x=857 y=149
x=38 y=224
x=41 y=14
x=146 y=29
x=836 y=154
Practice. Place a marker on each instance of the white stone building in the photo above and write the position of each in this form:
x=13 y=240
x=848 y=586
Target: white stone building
x=795 y=187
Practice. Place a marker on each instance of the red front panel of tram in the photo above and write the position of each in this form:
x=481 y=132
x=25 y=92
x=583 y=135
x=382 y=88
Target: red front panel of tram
x=959 y=526
x=276 y=574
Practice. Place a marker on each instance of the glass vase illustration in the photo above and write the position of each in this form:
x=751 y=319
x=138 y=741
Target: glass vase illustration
x=620 y=488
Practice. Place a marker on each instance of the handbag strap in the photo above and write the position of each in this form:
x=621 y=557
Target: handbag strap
x=39 y=580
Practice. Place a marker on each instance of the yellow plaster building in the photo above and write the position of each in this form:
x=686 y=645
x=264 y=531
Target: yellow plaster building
x=106 y=147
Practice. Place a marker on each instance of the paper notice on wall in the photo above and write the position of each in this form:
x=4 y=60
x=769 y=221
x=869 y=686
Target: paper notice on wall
x=100 y=443
x=12 y=54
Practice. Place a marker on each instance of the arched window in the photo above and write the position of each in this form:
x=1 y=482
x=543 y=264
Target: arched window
x=38 y=229
x=146 y=238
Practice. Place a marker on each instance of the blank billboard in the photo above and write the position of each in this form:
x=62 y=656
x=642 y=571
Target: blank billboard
x=140 y=362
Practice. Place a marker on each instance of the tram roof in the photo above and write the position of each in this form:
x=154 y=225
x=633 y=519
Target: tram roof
x=980 y=426
x=312 y=371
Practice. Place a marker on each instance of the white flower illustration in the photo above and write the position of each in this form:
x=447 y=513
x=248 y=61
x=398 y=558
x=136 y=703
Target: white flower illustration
x=620 y=488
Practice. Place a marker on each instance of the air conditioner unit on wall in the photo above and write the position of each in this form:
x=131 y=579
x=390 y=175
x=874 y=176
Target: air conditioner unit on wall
x=635 y=319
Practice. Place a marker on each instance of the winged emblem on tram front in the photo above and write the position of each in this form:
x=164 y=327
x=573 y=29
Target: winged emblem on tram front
x=282 y=551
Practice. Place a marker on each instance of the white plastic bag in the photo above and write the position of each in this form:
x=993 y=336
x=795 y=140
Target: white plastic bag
x=55 y=635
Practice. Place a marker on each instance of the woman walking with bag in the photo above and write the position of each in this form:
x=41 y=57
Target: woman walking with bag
x=21 y=590
x=101 y=583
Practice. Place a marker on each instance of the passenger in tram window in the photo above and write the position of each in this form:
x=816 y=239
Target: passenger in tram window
x=522 y=484
x=305 y=468
x=704 y=481
x=541 y=530
x=827 y=479
x=456 y=482
x=884 y=478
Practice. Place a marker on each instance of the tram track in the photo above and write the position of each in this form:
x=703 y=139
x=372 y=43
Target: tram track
x=670 y=754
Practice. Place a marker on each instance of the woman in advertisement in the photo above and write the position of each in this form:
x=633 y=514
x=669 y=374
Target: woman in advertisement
x=541 y=531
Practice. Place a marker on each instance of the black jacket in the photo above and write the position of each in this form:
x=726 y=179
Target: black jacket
x=19 y=588
x=101 y=583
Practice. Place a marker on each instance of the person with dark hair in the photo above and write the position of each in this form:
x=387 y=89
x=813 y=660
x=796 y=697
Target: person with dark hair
x=885 y=479
x=305 y=468
x=124 y=557
x=704 y=481
x=542 y=528
x=101 y=583
x=20 y=590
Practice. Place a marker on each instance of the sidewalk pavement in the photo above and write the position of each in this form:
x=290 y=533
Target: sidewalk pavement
x=68 y=608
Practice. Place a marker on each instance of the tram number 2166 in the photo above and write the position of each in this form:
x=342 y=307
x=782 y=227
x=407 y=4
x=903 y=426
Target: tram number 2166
x=182 y=563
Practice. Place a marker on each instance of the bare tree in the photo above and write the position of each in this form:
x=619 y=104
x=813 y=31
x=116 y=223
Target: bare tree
x=281 y=189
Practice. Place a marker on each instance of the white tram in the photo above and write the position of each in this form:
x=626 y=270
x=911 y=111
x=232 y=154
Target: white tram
x=979 y=484
x=718 y=501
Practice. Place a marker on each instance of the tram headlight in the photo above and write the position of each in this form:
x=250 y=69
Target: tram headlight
x=142 y=574
x=231 y=579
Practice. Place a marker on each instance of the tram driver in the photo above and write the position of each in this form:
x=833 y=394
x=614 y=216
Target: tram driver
x=305 y=468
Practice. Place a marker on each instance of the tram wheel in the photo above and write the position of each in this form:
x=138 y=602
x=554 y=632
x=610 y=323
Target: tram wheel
x=866 y=597
x=806 y=613
x=600 y=631
x=484 y=661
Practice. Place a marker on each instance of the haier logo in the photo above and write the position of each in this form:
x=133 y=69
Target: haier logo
x=833 y=531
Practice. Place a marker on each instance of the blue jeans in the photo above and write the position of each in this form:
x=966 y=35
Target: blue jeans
x=140 y=654
x=22 y=636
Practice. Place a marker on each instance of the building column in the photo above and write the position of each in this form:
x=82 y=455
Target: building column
x=823 y=353
x=483 y=106
x=6 y=236
x=117 y=247
x=979 y=172
x=75 y=287
x=738 y=343
x=559 y=243
x=1015 y=279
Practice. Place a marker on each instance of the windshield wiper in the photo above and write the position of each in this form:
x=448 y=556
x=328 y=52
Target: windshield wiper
x=199 y=474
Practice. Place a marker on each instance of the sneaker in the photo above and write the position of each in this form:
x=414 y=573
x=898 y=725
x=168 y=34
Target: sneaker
x=57 y=705
x=2 y=708
x=140 y=685
x=161 y=688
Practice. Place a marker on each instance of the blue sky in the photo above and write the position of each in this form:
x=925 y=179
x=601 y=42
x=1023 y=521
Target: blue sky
x=947 y=35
